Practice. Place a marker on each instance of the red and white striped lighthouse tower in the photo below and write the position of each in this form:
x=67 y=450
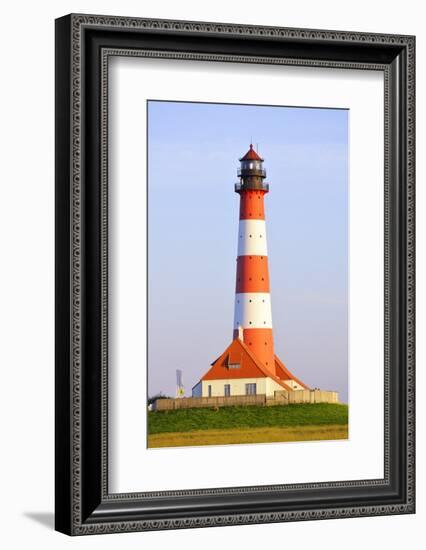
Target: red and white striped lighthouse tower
x=252 y=317
x=249 y=365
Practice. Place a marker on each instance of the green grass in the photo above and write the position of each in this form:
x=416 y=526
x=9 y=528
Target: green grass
x=187 y=420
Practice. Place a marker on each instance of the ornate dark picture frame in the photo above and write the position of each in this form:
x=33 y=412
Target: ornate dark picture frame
x=84 y=44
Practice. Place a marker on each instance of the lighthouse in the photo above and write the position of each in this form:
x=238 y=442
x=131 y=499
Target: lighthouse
x=253 y=317
x=249 y=365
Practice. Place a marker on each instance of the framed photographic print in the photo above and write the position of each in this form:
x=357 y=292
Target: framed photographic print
x=234 y=274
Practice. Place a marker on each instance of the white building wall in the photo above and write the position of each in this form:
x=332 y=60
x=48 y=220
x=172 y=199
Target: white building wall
x=238 y=386
x=293 y=384
x=265 y=386
x=272 y=386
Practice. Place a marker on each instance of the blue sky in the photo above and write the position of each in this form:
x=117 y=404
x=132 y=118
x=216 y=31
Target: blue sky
x=193 y=151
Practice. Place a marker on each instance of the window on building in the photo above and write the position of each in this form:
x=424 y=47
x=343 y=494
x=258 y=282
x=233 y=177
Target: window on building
x=250 y=389
x=233 y=365
x=227 y=390
x=209 y=390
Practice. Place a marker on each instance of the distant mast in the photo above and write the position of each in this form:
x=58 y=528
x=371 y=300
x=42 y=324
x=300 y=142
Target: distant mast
x=180 y=390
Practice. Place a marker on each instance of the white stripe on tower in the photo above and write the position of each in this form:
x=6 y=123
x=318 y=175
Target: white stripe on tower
x=252 y=310
x=252 y=238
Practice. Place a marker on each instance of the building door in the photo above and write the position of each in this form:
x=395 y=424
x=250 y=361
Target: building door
x=250 y=389
x=209 y=389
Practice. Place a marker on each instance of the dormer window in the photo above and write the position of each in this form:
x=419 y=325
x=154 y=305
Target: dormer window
x=234 y=365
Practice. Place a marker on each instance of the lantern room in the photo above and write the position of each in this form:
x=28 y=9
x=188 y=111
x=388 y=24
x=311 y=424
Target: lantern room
x=251 y=172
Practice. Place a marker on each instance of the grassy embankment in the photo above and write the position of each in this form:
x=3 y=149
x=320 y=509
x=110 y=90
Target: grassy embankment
x=229 y=425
